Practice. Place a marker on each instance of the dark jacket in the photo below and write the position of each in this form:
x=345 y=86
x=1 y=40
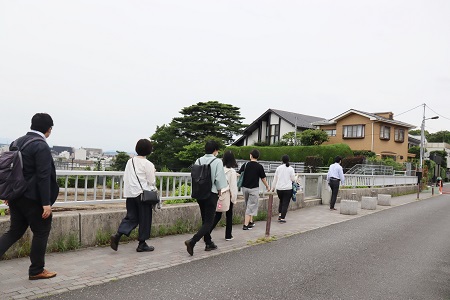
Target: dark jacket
x=38 y=170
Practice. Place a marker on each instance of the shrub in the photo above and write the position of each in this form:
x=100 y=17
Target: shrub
x=313 y=162
x=350 y=162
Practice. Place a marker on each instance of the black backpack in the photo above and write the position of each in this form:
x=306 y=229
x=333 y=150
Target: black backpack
x=12 y=182
x=201 y=180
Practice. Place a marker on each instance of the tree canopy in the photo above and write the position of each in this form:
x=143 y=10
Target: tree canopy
x=209 y=119
x=178 y=144
x=120 y=161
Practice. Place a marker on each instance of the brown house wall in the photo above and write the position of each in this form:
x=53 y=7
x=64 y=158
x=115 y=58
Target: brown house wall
x=379 y=146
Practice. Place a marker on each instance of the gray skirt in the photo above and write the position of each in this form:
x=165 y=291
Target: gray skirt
x=251 y=197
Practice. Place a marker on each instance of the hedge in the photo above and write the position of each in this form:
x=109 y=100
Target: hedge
x=296 y=153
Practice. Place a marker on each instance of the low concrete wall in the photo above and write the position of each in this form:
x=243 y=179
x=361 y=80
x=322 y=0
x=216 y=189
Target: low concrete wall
x=87 y=227
x=359 y=193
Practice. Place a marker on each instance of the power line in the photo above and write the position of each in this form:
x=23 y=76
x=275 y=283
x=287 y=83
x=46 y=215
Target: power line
x=437 y=113
x=408 y=110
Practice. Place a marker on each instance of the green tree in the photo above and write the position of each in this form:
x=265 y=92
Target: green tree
x=312 y=137
x=417 y=132
x=439 y=137
x=415 y=150
x=167 y=142
x=209 y=119
x=120 y=161
x=289 y=138
x=196 y=149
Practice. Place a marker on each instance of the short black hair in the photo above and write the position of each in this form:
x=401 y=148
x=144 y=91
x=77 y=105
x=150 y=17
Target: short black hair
x=285 y=160
x=211 y=146
x=337 y=159
x=228 y=159
x=41 y=122
x=255 y=153
x=144 y=147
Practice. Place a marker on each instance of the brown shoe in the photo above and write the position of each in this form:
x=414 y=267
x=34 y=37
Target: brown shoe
x=44 y=275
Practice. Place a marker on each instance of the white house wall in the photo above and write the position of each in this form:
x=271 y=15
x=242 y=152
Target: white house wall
x=285 y=127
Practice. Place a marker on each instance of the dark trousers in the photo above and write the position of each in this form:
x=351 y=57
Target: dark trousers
x=285 y=197
x=229 y=221
x=140 y=214
x=24 y=213
x=334 y=185
x=208 y=213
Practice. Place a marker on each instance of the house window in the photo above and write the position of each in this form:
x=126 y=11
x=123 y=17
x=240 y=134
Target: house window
x=399 y=135
x=331 y=132
x=385 y=133
x=353 y=131
x=274 y=133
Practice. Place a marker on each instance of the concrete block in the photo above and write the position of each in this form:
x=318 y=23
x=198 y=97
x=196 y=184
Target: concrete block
x=93 y=223
x=349 y=207
x=369 y=203
x=384 y=199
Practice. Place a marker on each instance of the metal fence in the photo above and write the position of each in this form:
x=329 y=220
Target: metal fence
x=102 y=187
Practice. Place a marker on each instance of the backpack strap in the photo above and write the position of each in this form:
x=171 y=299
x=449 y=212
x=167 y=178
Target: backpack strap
x=14 y=145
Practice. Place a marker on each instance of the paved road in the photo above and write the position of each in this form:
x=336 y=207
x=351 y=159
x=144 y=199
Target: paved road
x=400 y=253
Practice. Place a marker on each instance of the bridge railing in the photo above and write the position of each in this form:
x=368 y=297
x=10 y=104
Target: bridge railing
x=102 y=187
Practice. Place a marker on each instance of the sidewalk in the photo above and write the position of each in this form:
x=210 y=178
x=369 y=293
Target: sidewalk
x=93 y=266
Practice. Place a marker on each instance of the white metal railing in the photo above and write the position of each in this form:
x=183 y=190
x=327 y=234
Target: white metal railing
x=100 y=187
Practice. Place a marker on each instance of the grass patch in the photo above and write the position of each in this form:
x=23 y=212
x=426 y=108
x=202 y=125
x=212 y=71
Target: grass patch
x=70 y=242
x=261 y=216
x=262 y=240
x=180 y=226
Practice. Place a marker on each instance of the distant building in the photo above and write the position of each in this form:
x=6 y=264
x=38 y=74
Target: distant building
x=272 y=125
x=80 y=154
x=64 y=154
x=58 y=149
x=93 y=152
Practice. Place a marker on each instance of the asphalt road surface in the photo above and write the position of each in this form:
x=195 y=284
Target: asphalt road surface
x=400 y=253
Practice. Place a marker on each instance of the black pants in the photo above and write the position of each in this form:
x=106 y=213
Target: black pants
x=24 y=213
x=285 y=197
x=229 y=221
x=140 y=214
x=208 y=213
x=334 y=185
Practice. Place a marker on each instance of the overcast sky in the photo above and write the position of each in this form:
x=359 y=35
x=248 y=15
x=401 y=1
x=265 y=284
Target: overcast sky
x=109 y=71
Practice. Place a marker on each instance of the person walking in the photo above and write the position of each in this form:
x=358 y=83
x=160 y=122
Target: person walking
x=282 y=183
x=34 y=208
x=208 y=205
x=139 y=174
x=252 y=172
x=335 y=177
x=439 y=184
x=229 y=163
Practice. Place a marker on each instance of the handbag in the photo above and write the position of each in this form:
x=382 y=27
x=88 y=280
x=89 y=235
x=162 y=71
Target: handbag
x=148 y=196
x=240 y=180
x=223 y=204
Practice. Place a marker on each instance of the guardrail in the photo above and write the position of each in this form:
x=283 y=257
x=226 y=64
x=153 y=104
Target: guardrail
x=102 y=187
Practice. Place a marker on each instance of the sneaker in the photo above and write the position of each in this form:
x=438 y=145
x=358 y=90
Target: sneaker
x=229 y=239
x=210 y=247
x=245 y=227
x=282 y=220
x=251 y=224
x=144 y=248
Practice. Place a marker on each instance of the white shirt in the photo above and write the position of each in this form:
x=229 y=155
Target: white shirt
x=335 y=171
x=145 y=170
x=284 y=176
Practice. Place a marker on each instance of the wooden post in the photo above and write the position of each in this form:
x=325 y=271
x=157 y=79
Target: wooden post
x=269 y=214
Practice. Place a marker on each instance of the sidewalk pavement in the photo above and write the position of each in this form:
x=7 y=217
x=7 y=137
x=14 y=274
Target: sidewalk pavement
x=97 y=265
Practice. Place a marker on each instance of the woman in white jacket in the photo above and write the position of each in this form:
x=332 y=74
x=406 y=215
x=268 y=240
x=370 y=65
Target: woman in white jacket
x=282 y=182
x=229 y=163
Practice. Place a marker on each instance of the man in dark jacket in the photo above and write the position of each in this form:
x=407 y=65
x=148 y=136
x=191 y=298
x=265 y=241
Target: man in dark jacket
x=34 y=209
